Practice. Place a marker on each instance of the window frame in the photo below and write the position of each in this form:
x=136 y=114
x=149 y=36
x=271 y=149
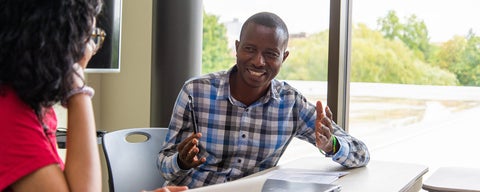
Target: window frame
x=338 y=92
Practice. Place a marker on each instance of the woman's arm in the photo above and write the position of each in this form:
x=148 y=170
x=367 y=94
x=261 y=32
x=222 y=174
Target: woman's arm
x=82 y=167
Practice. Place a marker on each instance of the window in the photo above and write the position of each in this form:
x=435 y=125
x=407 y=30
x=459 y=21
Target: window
x=305 y=68
x=413 y=68
x=415 y=77
x=307 y=21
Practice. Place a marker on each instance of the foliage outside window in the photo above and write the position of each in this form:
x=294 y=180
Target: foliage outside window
x=398 y=52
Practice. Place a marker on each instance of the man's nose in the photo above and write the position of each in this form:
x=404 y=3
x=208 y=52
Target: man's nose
x=259 y=60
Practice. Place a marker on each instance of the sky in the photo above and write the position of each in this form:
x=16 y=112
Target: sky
x=444 y=18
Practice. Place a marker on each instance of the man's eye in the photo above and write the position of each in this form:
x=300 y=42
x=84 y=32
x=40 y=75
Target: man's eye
x=272 y=55
x=249 y=49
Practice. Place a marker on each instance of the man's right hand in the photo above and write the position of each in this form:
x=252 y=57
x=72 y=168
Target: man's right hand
x=187 y=153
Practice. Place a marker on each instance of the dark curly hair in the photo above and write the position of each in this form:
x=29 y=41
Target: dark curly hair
x=40 y=40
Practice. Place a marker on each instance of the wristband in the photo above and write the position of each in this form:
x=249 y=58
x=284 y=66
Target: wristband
x=334 y=141
x=81 y=90
x=334 y=147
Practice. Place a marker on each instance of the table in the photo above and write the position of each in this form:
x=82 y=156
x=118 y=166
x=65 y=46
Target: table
x=453 y=179
x=376 y=176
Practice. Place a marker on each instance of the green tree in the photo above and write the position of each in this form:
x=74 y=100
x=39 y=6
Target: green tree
x=461 y=55
x=216 y=55
x=413 y=33
x=374 y=58
x=390 y=25
x=416 y=36
x=308 y=59
x=378 y=59
x=451 y=52
x=470 y=71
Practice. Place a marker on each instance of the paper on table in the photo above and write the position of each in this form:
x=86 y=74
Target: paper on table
x=273 y=185
x=306 y=176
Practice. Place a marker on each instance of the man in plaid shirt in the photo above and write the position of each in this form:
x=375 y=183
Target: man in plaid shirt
x=246 y=118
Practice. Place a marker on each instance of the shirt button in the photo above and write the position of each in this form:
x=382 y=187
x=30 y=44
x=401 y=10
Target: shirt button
x=239 y=160
x=243 y=136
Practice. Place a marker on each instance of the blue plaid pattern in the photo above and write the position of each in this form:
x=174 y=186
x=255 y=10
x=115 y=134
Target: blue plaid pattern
x=240 y=140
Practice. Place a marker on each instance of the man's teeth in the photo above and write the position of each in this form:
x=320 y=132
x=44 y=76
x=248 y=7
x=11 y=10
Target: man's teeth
x=256 y=73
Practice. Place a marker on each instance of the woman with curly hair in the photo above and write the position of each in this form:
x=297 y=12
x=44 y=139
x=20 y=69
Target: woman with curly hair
x=45 y=46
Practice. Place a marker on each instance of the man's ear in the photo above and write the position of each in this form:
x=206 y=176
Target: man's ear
x=237 y=43
x=285 y=55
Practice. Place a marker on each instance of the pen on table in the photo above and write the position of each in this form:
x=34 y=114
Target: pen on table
x=194 y=120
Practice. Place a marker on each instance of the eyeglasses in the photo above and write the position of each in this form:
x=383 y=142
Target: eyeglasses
x=98 y=36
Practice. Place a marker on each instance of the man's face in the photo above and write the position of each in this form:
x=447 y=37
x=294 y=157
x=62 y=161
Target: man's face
x=260 y=54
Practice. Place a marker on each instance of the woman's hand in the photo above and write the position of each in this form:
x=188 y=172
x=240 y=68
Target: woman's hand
x=170 y=189
x=89 y=52
x=79 y=76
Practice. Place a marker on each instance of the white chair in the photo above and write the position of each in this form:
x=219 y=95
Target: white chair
x=132 y=165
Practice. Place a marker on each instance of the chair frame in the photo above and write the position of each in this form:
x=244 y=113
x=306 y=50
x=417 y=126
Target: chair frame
x=132 y=166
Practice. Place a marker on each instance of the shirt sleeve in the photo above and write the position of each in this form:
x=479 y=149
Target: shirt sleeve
x=24 y=147
x=352 y=152
x=178 y=131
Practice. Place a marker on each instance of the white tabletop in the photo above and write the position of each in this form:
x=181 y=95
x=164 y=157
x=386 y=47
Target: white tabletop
x=454 y=179
x=376 y=176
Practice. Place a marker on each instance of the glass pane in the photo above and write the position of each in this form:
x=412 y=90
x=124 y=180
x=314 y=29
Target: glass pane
x=415 y=78
x=305 y=67
x=307 y=21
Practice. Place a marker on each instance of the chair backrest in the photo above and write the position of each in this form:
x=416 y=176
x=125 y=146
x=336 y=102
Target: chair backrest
x=132 y=165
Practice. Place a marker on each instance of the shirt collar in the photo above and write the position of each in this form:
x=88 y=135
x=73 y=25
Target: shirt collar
x=224 y=87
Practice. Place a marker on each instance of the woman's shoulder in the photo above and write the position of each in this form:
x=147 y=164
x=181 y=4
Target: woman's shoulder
x=14 y=109
x=10 y=101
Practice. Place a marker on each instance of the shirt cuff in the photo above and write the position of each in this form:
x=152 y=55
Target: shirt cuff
x=342 y=152
x=176 y=168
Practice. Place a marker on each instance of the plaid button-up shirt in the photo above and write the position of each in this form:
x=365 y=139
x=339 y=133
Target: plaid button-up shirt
x=240 y=140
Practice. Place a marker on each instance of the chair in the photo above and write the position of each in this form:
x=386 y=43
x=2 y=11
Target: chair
x=132 y=165
x=61 y=135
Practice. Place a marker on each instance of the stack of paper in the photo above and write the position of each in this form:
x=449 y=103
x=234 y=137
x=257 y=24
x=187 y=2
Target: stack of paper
x=286 y=180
